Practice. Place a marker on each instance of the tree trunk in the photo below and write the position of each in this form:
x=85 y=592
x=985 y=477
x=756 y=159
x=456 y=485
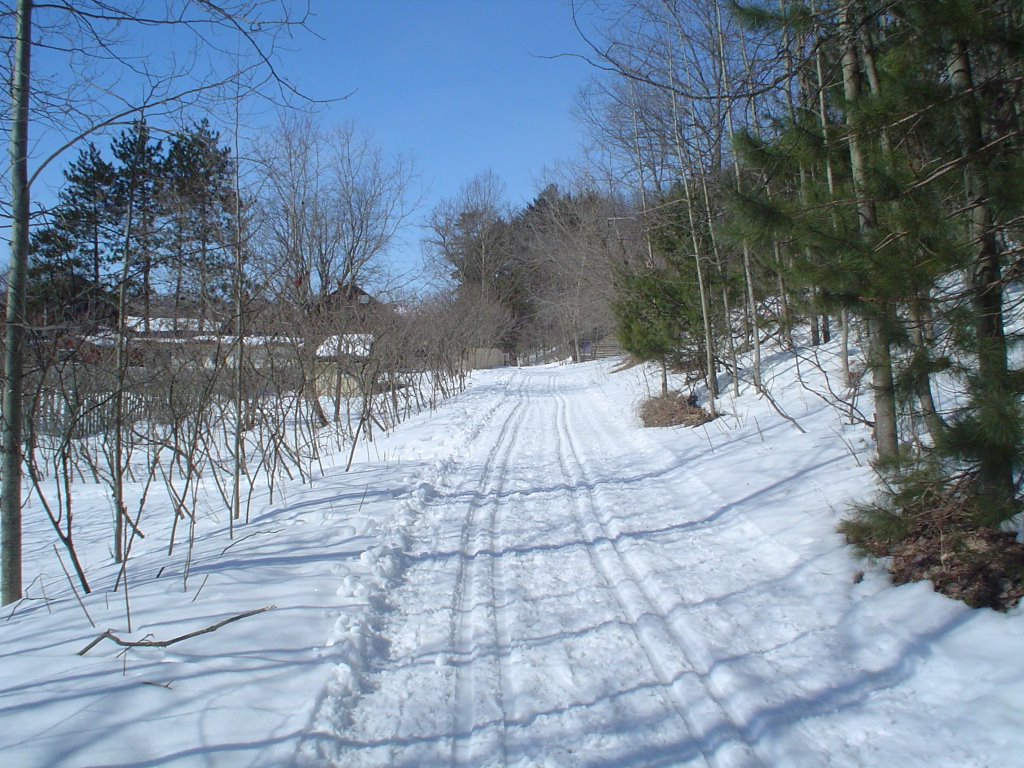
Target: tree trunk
x=748 y=274
x=881 y=315
x=643 y=184
x=844 y=346
x=705 y=304
x=121 y=362
x=785 y=305
x=238 y=291
x=996 y=462
x=10 y=491
x=730 y=342
x=922 y=382
x=819 y=68
x=879 y=360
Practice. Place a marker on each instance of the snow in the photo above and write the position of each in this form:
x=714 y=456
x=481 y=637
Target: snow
x=352 y=344
x=523 y=577
x=164 y=324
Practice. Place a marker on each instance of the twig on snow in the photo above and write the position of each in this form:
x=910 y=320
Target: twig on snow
x=109 y=634
x=72 y=583
x=778 y=409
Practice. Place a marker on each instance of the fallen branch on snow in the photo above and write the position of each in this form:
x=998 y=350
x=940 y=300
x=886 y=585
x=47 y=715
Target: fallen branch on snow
x=109 y=634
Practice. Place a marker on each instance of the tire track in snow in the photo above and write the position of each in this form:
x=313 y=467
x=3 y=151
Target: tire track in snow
x=711 y=638
x=666 y=648
x=480 y=590
x=627 y=605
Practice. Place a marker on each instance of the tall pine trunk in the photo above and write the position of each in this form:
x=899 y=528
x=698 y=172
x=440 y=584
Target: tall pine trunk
x=996 y=459
x=880 y=316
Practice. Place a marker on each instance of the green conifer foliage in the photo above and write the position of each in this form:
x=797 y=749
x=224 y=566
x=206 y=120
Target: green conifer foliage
x=198 y=203
x=916 y=232
x=659 y=308
x=138 y=195
x=72 y=254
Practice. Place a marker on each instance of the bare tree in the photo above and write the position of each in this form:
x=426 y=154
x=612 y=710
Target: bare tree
x=11 y=471
x=91 y=44
x=331 y=205
x=468 y=240
x=571 y=252
x=470 y=247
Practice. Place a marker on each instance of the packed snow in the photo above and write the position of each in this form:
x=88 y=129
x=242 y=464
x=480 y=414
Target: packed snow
x=523 y=577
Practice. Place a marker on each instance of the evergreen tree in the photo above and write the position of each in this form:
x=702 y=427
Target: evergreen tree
x=68 y=277
x=659 y=312
x=924 y=196
x=87 y=207
x=649 y=323
x=137 y=194
x=198 y=201
x=976 y=50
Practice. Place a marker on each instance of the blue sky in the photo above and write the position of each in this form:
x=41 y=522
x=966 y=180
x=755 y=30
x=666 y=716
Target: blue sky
x=460 y=86
x=457 y=84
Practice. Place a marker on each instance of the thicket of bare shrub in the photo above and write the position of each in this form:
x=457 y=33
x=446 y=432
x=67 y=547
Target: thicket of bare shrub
x=672 y=410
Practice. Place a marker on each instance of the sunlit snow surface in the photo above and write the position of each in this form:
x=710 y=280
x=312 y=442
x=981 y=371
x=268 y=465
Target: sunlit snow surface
x=523 y=577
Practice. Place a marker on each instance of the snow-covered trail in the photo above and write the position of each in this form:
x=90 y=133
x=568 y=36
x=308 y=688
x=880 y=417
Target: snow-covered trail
x=534 y=625
x=523 y=577
x=582 y=592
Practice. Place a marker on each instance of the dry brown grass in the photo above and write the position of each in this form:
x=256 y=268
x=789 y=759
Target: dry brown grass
x=938 y=539
x=982 y=567
x=672 y=410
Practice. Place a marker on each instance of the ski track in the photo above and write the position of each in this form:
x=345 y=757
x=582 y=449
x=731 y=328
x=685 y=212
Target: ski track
x=665 y=646
x=471 y=694
x=522 y=569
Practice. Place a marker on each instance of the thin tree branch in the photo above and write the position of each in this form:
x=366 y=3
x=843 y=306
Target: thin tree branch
x=109 y=634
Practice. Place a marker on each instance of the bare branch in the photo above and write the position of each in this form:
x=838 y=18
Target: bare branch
x=109 y=634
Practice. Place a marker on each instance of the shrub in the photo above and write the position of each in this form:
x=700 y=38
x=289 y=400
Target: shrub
x=930 y=529
x=671 y=410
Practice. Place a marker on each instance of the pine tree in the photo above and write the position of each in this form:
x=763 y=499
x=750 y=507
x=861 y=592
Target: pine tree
x=68 y=277
x=198 y=201
x=137 y=194
x=929 y=111
x=648 y=323
x=86 y=210
x=660 y=311
x=976 y=51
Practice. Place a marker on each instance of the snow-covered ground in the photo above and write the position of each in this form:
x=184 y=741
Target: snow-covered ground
x=523 y=577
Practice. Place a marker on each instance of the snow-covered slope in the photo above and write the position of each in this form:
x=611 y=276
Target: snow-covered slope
x=526 y=577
